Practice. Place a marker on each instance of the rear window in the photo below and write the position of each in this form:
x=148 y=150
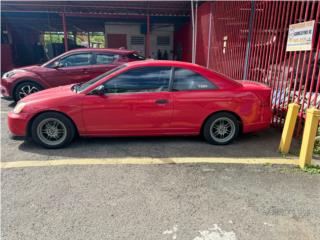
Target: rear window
x=135 y=56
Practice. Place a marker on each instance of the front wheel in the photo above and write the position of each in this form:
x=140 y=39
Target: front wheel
x=52 y=130
x=221 y=128
x=26 y=88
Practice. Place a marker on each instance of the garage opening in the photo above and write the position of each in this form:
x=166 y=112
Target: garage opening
x=33 y=32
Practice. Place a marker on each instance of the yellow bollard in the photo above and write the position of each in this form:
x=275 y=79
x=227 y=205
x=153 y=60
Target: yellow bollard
x=288 y=128
x=309 y=135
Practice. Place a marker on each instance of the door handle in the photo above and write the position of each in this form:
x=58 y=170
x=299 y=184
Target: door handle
x=162 y=101
x=85 y=71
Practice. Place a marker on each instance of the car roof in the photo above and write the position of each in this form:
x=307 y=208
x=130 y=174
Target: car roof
x=172 y=63
x=179 y=64
x=109 y=50
x=151 y=62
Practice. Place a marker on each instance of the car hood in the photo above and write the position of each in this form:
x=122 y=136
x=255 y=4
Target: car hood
x=51 y=93
x=33 y=69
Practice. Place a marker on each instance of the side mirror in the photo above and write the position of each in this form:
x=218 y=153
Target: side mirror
x=57 y=65
x=99 y=91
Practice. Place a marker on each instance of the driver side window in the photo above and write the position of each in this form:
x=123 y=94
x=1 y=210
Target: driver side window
x=148 y=79
x=76 y=60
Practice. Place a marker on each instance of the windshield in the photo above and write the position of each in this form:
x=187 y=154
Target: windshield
x=51 y=62
x=83 y=86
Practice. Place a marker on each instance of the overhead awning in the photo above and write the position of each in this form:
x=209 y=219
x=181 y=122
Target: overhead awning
x=89 y=16
x=152 y=8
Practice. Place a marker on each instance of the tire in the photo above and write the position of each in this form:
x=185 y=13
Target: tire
x=52 y=130
x=217 y=126
x=25 y=88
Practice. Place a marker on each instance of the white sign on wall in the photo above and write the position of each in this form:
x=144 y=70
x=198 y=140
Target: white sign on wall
x=300 y=36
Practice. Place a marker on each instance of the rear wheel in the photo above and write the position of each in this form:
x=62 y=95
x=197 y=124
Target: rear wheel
x=26 y=88
x=221 y=128
x=52 y=130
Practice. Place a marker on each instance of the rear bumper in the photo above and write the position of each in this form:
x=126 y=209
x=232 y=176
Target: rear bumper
x=256 y=127
x=18 y=123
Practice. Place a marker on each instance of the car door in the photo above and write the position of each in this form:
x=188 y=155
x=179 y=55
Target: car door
x=103 y=62
x=73 y=68
x=136 y=102
x=193 y=97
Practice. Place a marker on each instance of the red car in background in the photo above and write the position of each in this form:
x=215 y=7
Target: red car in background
x=145 y=98
x=72 y=67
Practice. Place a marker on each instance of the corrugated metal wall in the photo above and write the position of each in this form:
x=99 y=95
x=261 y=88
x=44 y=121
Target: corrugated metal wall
x=293 y=76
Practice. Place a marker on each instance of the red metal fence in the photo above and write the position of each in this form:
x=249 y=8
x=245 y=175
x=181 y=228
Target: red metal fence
x=228 y=38
x=244 y=39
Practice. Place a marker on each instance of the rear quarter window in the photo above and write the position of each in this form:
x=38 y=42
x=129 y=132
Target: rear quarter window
x=105 y=58
x=185 y=79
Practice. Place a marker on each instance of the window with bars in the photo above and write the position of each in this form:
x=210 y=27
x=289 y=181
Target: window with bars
x=137 y=40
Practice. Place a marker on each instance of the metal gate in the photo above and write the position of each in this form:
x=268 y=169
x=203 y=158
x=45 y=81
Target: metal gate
x=247 y=40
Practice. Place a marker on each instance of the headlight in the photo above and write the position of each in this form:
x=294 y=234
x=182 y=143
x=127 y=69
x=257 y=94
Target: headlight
x=11 y=73
x=18 y=108
x=8 y=74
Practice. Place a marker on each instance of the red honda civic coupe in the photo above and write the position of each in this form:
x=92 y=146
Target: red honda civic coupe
x=145 y=98
x=72 y=67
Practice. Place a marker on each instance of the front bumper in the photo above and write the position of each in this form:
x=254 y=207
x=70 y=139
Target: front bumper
x=18 y=123
x=5 y=88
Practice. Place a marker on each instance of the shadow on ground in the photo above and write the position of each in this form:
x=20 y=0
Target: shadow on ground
x=255 y=145
x=7 y=103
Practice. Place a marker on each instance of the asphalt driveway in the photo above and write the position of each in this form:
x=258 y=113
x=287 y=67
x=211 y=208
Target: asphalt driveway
x=168 y=201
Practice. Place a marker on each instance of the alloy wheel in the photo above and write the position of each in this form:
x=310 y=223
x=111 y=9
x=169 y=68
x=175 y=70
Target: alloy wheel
x=26 y=90
x=222 y=130
x=51 y=131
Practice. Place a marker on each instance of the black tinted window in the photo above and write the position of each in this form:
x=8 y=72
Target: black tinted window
x=80 y=59
x=151 y=79
x=188 y=80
